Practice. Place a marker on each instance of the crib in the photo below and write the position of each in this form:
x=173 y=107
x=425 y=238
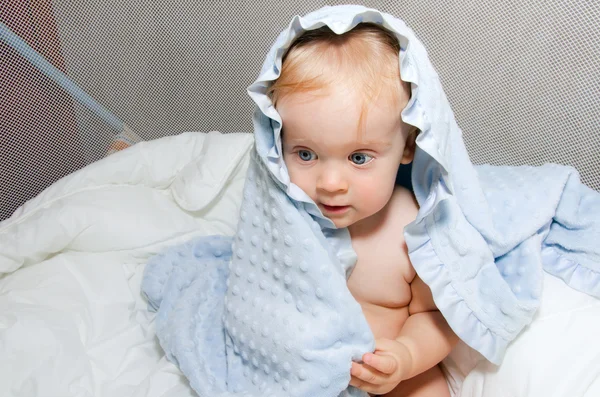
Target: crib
x=126 y=129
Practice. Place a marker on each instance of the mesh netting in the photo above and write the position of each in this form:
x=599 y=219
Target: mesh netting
x=523 y=77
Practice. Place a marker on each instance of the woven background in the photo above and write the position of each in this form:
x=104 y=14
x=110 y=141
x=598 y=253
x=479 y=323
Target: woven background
x=523 y=77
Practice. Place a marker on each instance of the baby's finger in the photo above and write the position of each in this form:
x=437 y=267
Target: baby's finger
x=366 y=374
x=382 y=362
x=359 y=384
x=368 y=387
x=362 y=385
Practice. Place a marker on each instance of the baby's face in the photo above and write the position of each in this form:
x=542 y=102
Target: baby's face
x=349 y=175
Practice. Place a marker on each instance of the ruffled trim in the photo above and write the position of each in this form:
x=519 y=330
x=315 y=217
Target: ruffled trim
x=459 y=316
x=574 y=274
x=429 y=111
x=267 y=121
x=570 y=251
x=489 y=330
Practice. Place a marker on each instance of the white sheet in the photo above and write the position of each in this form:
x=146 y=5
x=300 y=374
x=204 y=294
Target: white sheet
x=73 y=323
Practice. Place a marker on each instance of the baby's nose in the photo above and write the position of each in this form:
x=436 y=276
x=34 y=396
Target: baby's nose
x=332 y=180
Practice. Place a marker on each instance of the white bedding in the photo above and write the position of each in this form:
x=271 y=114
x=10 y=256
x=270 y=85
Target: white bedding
x=73 y=323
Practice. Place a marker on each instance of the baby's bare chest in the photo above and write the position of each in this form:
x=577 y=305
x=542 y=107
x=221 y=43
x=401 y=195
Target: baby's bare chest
x=382 y=273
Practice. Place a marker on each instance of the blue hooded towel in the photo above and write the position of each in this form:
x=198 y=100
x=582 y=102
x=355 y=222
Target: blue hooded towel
x=268 y=312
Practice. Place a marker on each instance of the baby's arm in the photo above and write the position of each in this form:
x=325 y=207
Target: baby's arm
x=424 y=341
x=426 y=337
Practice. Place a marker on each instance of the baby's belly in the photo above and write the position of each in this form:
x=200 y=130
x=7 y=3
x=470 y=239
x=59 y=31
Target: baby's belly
x=385 y=322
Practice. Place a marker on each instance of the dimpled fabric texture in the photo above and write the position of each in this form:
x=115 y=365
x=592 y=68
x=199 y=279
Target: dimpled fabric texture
x=185 y=285
x=281 y=321
x=287 y=325
x=293 y=326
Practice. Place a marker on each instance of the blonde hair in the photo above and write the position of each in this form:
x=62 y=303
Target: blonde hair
x=366 y=57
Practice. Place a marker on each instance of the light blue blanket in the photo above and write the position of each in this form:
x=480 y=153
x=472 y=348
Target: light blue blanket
x=271 y=315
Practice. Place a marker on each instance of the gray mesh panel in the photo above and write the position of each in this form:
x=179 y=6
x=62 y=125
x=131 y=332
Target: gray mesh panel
x=523 y=77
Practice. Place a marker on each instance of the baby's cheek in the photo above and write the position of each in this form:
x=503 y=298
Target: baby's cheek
x=302 y=179
x=294 y=176
x=376 y=196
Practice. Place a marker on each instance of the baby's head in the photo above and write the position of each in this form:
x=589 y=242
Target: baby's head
x=340 y=99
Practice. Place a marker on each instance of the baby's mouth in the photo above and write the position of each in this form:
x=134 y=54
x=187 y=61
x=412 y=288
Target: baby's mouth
x=335 y=209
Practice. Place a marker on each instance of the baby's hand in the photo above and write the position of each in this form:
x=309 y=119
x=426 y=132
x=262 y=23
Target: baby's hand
x=382 y=370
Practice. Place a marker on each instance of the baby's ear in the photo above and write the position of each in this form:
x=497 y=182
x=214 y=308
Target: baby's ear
x=410 y=146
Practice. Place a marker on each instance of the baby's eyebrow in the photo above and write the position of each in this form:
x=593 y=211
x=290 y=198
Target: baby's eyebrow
x=375 y=143
x=298 y=140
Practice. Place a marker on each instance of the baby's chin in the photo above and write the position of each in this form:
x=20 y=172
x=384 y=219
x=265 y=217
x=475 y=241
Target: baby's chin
x=340 y=224
x=346 y=222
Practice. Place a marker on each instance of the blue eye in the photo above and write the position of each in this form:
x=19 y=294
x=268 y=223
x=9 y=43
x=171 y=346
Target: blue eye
x=306 y=155
x=360 y=158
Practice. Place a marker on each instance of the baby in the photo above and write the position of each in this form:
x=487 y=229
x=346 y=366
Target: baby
x=340 y=99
